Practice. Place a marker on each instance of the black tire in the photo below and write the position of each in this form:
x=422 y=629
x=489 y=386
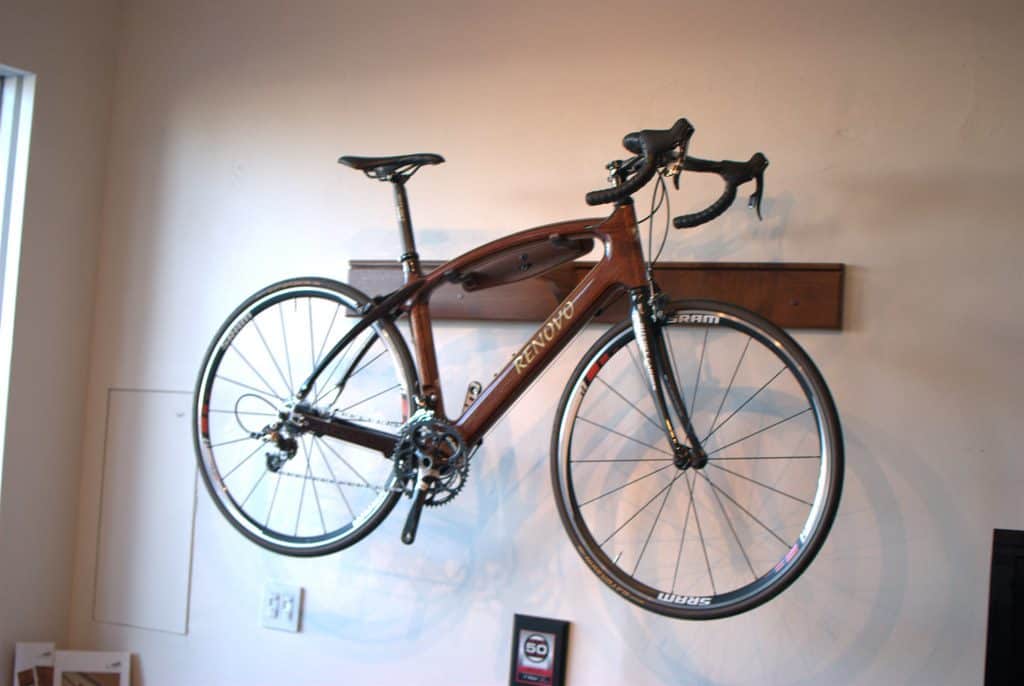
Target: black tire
x=762 y=506
x=336 y=492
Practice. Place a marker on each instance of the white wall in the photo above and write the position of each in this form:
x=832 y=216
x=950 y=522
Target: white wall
x=69 y=45
x=892 y=130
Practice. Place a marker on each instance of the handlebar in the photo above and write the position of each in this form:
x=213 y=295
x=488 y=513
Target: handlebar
x=734 y=174
x=650 y=145
x=654 y=149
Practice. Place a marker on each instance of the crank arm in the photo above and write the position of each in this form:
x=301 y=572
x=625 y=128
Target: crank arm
x=424 y=481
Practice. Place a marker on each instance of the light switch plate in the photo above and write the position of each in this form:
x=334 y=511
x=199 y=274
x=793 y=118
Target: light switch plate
x=282 y=606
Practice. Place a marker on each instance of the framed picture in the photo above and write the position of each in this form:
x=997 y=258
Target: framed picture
x=33 y=664
x=539 y=648
x=89 y=668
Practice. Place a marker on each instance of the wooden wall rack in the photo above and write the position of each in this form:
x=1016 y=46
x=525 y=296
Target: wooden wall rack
x=794 y=295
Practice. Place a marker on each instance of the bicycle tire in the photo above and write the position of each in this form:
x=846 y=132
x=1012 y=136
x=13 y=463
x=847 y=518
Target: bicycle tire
x=607 y=411
x=250 y=372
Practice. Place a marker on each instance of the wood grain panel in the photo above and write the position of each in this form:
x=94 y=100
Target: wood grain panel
x=793 y=295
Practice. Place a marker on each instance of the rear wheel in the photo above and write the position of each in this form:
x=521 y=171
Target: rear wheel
x=291 y=491
x=718 y=540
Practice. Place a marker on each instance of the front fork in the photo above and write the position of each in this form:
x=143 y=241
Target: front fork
x=648 y=320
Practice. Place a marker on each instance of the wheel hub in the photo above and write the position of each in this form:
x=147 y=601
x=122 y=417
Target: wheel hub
x=688 y=458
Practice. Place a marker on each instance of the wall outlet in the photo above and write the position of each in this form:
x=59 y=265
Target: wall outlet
x=282 y=607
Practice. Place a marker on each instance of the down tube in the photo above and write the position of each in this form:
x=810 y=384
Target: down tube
x=535 y=355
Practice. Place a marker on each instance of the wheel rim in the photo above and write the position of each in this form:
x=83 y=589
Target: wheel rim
x=329 y=493
x=699 y=542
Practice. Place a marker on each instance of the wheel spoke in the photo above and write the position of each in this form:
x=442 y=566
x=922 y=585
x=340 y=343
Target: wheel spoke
x=234 y=412
x=367 y=364
x=287 y=355
x=345 y=462
x=760 y=431
x=312 y=343
x=251 y=388
x=273 y=358
x=244 y=460
x=748 y=513
x=675 y=365
x=327 y=336
x=636 y=363
x=334 y=366
x=631 y=404
x=349 y=374
x=312 y=482
x=768 y=457
x=371 y=397
x=732 y=380
x=642 y=508
x=234 y=440
x=682 y=538
x=762 y=484
x=254 y=487
x=700 y=367
x=626 y=459
x=703 y=545
x=273 y=499
x=330 y=471
x=657 y=518
x=758 y=391
x=616 y=490
x=319 y=508
x=732 y=528
x=302 y=491
x=619 y=433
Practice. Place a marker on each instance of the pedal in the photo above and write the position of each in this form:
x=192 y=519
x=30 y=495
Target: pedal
x=472 y=393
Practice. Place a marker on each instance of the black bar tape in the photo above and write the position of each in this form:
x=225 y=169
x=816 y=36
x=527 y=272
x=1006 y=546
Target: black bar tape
x=649 y=144
x=733 y=173
x=687 y=221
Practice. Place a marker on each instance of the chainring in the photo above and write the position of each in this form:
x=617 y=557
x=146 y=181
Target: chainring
x=426 y=441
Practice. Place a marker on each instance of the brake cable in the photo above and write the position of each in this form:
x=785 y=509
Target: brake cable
x=656 y=203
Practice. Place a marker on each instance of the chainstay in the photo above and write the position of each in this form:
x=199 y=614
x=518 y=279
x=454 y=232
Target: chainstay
x=367 y=420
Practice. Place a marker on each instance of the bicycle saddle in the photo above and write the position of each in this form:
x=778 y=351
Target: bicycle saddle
x=384 y=168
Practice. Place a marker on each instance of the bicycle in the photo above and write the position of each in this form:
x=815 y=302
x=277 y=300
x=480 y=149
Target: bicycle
x=311 y=420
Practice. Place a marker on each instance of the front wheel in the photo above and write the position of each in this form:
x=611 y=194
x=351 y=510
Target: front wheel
x=708 y=542
x=287 y=489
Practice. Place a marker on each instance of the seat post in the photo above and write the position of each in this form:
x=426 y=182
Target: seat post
x=410 y=259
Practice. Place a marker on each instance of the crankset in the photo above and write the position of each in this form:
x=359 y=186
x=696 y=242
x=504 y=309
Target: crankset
x=431 y=461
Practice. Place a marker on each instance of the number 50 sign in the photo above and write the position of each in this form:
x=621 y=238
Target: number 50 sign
x=538 y=651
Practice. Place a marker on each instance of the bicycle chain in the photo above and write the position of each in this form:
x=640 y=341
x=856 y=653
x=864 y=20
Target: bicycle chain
x=337 y=482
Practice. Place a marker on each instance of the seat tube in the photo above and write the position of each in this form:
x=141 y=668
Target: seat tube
x=426 y=357
x=419 y=313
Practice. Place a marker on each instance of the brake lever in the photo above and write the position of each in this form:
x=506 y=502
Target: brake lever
x=675 y=168
x=758 y=164
x=618 y=170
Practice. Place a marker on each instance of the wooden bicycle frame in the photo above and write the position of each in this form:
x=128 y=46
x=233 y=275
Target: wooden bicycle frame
x=620 y=268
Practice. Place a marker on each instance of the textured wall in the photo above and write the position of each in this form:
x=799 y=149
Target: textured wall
x=891 y=127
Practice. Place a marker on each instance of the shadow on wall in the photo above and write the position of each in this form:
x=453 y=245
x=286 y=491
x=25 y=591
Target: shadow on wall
x=864 y=571
x=725 y=237
x=465 y=559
